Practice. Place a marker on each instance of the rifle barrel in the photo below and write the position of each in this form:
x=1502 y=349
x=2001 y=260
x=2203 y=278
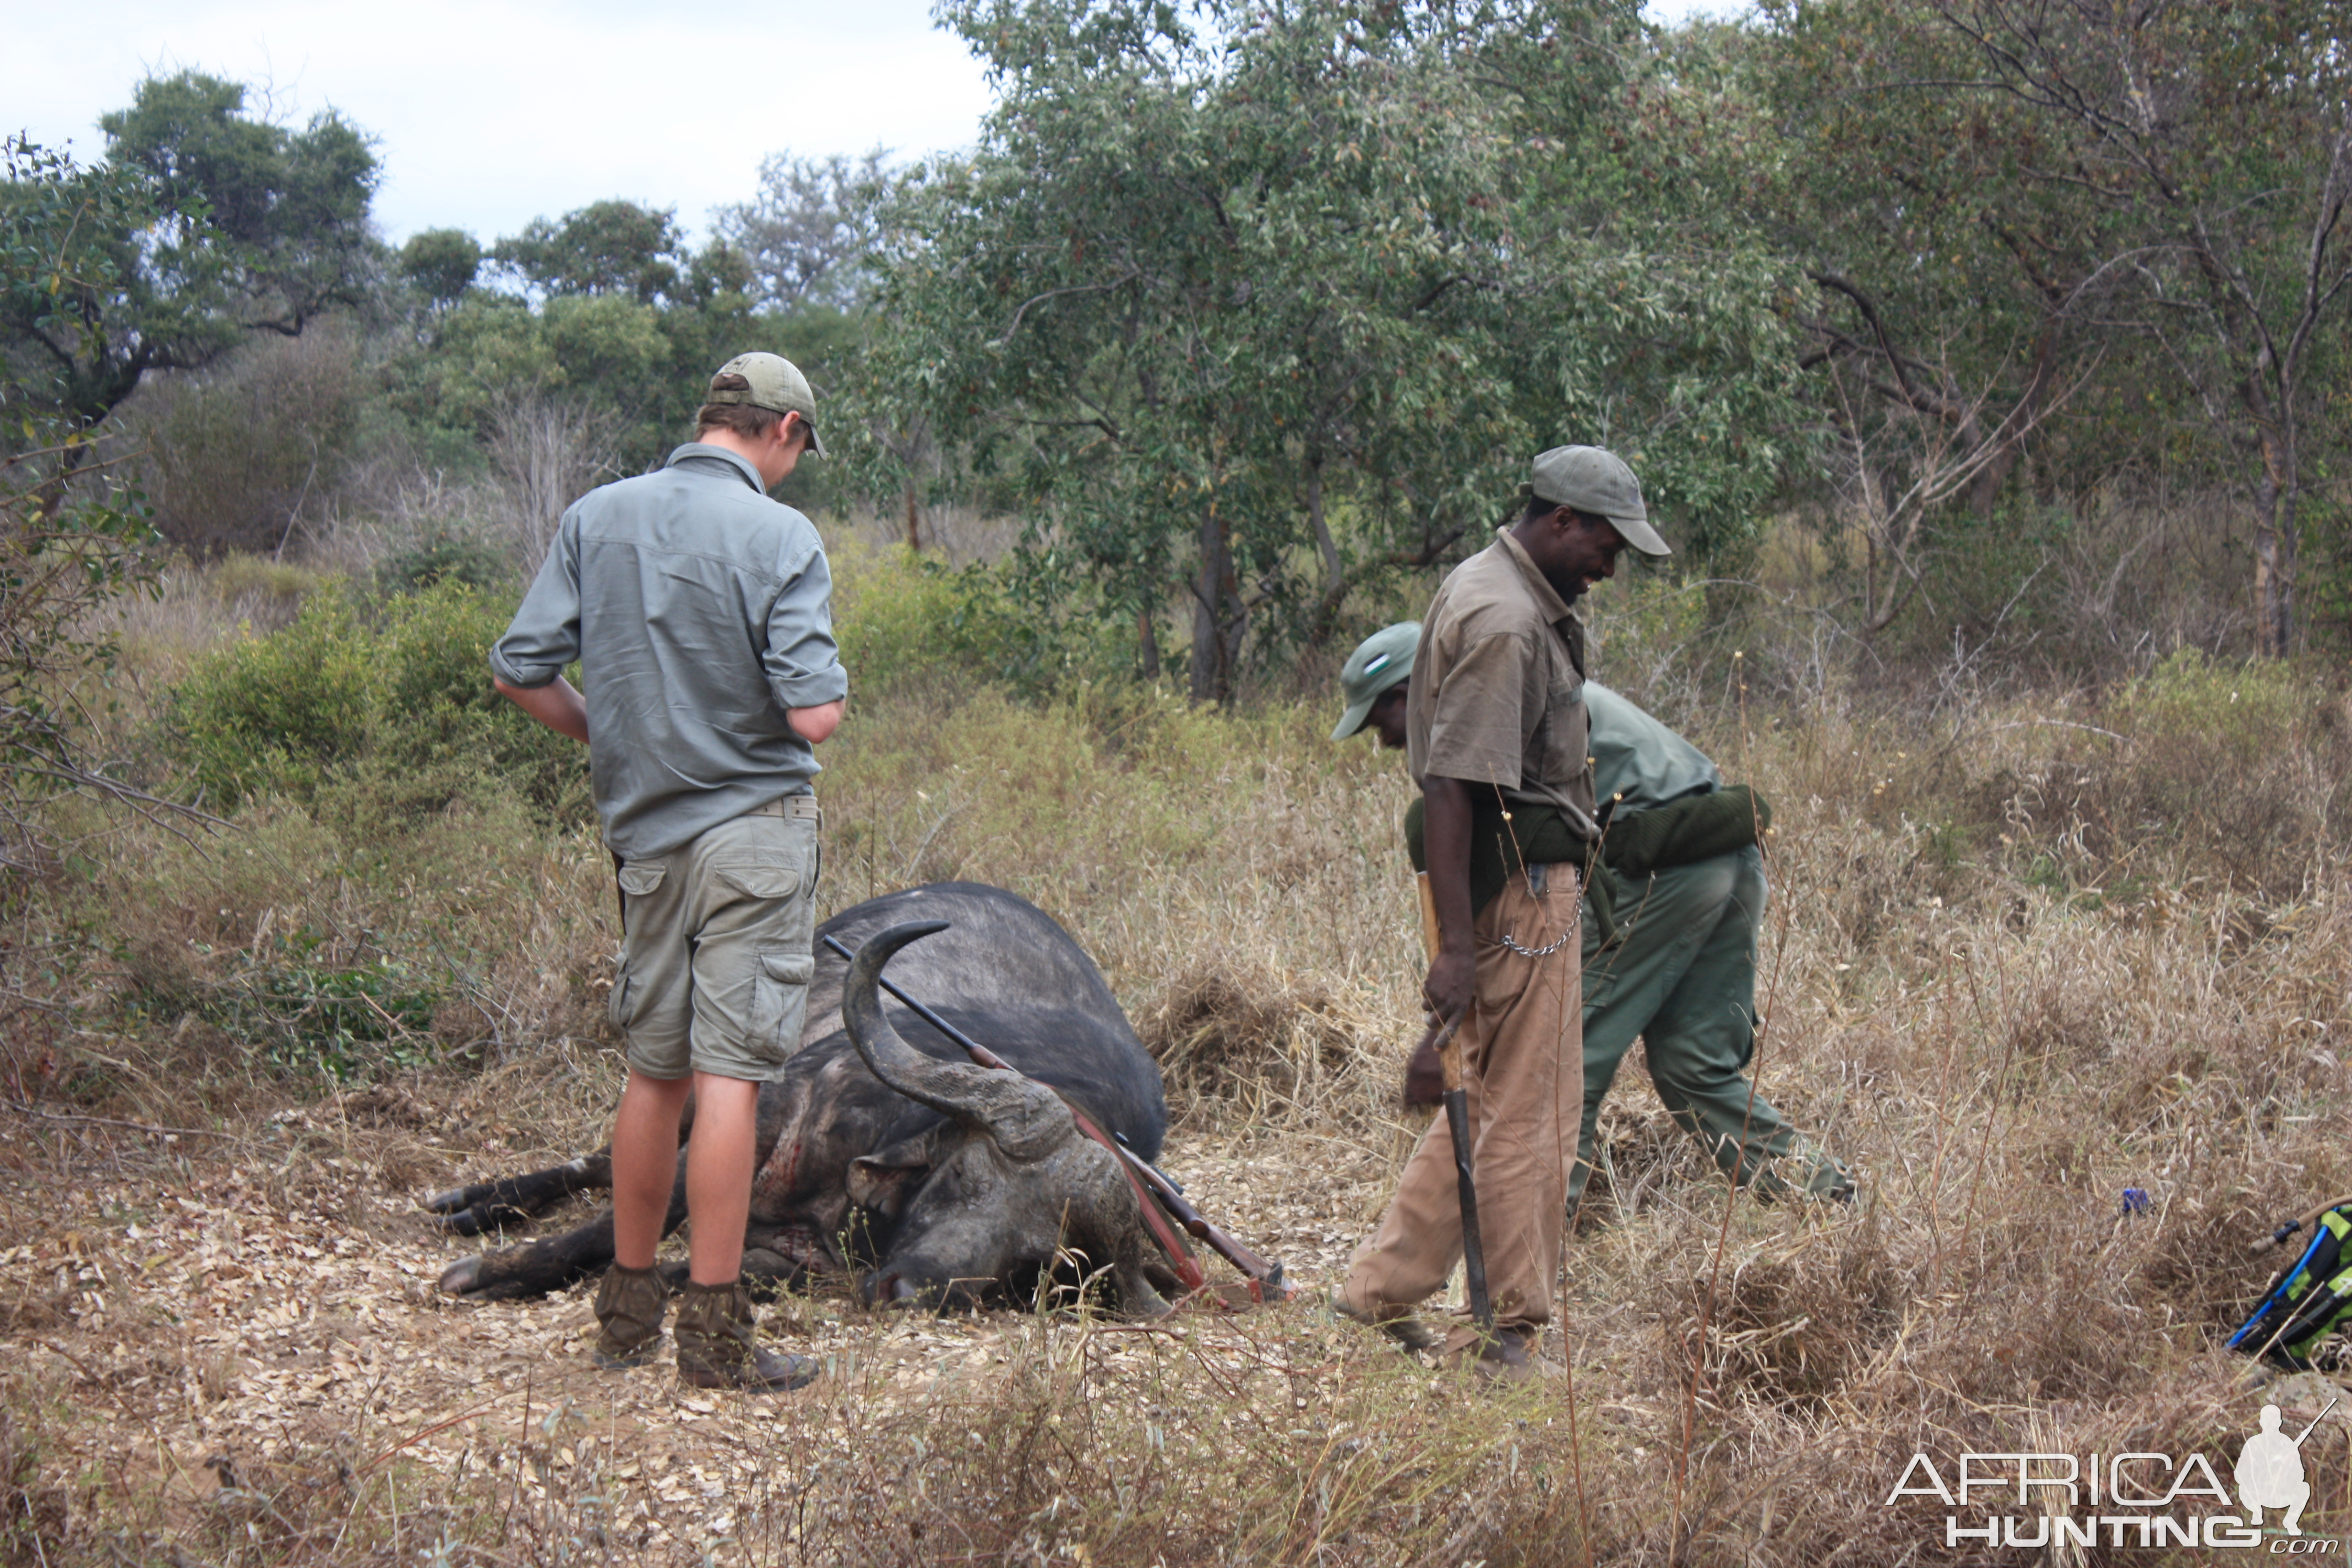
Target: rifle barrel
x=978 y=1052
x=1154 y=1171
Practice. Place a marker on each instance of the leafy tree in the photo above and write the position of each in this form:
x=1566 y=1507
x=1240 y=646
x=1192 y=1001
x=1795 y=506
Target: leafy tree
x=204 y=226
x=68 y=272
x=1946 y=318
x=615 y=326
x=62 y=554
x=442 y=263
x=810 y=235
x=606 y=248
x=2166 y=180
x=1263 y=306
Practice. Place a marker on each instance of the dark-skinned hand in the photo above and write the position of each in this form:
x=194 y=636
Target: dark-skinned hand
x=1452 y=982
x=1424 y=1078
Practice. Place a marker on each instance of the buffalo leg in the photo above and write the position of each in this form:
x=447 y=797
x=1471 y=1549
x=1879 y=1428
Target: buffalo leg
x=552 y=1262
x=486 y=1206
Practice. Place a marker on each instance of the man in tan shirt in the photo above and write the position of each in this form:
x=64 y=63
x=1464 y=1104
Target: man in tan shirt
x=1495 y=734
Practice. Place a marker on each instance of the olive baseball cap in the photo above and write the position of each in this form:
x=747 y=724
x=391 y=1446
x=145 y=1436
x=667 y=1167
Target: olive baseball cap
x=1379 y=662
x=1592 y=480
x=776 y=385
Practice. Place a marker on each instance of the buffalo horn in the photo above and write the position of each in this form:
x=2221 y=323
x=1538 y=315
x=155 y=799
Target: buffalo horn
x=1021 y=1116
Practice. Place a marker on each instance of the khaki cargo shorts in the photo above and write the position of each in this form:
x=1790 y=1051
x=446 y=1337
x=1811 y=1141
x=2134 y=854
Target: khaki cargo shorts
x=715 y=952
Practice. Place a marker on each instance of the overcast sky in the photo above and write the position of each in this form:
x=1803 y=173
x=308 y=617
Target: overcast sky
x=489 y=114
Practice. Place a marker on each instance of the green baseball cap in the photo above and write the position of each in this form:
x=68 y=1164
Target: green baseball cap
x=1595 y=480
x=1379 y=661
x=777 y=386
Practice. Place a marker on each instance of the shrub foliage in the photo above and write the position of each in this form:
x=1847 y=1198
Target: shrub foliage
x=379 y=710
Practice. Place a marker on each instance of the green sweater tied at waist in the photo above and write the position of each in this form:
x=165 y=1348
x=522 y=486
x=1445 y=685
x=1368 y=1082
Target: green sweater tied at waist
x=1693 y=828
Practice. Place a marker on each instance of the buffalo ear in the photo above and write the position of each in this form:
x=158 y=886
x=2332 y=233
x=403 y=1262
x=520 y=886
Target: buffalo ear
x=882 y=1181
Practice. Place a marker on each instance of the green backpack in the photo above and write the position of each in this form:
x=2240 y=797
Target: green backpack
x=2311 y=1296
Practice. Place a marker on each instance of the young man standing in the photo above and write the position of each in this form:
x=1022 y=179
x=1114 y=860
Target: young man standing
x=700 y=611
x=1495 y=731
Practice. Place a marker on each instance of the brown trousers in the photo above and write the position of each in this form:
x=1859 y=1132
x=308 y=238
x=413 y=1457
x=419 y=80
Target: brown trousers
x=1523 y=1067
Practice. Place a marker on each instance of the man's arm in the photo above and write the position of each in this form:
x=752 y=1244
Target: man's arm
x=816 y=725
x=802 y=660
x=1445 y=845
x=556 y=705
x=526 y=663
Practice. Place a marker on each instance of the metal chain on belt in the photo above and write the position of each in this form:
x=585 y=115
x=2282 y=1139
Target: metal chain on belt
x=1539 y=877
x=1511 y=942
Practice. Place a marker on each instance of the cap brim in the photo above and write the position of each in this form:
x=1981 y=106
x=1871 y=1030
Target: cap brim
x=1638 y=534
x=1353 y=718
x=816 y=442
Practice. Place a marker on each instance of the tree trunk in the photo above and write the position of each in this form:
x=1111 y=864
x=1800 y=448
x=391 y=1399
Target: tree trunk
x=1210 y=671
x=1985 y=489
x=914 y=520
x=1146 y=638
x=2274 y=551
x=1335 y=572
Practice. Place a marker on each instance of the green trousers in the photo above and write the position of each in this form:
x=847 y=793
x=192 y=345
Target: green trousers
x=1683 y=975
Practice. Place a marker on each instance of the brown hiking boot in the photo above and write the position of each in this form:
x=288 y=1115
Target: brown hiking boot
x=629 y=1308
x=1398 y=1323
x=1507 y=1355
x=716 y=1348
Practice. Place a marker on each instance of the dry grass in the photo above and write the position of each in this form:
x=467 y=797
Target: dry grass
x=1992 y=987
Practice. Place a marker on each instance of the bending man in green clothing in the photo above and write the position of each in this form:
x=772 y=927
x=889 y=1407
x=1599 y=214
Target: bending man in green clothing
x=1673 y=958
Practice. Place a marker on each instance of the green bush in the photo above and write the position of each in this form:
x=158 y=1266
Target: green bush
x=2246 y=761
x=2239 y=713
x=240 y=453
x=900 y=617
x=275 y=712
x=380 y=713
x=306 y=1010
x=444 y=557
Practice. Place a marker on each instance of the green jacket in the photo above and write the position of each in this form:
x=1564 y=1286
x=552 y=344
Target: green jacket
x=1661 y=804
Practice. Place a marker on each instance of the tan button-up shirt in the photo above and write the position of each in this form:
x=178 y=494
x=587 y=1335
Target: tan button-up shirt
x=1497 y=694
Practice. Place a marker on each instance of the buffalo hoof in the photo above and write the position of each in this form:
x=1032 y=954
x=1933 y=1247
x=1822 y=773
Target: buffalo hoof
x=471 y=1211
x=462 y=1276
x=889 y=1290
x=481 y=1217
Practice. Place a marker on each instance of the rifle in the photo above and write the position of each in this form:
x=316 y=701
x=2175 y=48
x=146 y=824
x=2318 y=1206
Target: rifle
x=1266 y=1279
x=1457 y=1126
x=1266 y=1282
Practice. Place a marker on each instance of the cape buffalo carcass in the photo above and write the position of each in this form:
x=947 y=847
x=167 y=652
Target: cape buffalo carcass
x=883 y=1149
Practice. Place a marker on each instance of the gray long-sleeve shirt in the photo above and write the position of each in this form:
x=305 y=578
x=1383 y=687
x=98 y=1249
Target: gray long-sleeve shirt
x=701 y=611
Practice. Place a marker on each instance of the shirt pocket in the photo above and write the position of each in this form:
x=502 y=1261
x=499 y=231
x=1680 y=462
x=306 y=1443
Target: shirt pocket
x=1564 y=738
x=779 y=1004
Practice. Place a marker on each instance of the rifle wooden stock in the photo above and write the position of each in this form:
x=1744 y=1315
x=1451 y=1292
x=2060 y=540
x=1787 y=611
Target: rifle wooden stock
x=1198 y=1226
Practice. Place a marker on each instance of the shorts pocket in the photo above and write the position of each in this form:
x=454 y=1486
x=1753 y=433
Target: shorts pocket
x=618 y=1007
x=639 y=879
x=779 y=1004
x=770 y=878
